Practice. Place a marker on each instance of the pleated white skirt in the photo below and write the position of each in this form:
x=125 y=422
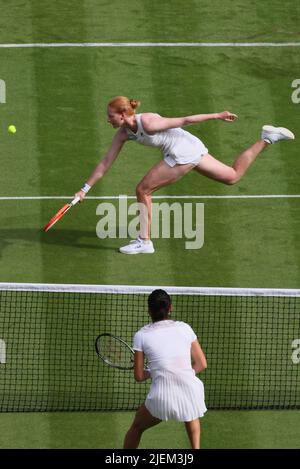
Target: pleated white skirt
x=177 y=396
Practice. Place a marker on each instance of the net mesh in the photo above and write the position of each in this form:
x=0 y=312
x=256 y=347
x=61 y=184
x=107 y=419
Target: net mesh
x=48 y=360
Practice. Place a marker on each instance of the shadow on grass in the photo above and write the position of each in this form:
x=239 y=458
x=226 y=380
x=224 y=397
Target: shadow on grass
x=70 y=238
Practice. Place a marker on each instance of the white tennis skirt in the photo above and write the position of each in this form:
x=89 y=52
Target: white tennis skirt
x=188 y=151
x=176 y=396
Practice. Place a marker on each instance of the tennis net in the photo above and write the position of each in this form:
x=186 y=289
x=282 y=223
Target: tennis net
x=48 y=361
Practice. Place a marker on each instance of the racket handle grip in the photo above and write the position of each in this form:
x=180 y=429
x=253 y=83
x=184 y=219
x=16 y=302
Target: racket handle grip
x=75 y=201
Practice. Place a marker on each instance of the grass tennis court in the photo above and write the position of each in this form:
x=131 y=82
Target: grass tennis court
x=56 y=97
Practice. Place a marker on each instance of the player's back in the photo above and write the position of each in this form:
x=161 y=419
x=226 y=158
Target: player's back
x=166 y=345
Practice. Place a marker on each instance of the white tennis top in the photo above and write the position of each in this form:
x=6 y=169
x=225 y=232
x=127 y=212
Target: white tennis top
x=175 y=392
x=166 y=344
x=172 y=142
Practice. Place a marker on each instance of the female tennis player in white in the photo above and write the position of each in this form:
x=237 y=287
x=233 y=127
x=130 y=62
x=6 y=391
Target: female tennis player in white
x=174 y=357
x=182 y=152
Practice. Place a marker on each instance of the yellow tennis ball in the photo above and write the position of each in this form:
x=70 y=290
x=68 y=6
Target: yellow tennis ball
x=12 y=129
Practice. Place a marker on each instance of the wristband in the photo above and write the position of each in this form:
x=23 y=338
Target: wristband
x=86 y=188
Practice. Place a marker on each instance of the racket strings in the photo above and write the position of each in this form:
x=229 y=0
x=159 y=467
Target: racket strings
x=116 y=353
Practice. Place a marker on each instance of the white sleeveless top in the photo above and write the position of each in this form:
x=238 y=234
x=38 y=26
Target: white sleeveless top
x=176 y=143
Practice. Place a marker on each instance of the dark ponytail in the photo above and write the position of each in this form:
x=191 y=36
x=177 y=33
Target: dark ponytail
x=159 y=303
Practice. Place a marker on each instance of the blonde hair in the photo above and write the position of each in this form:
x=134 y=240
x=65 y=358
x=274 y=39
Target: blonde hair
x=124 y=104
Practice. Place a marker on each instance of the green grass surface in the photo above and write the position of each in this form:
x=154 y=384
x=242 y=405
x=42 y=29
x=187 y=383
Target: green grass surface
x=172 y=20
x=57 y=100
x=236 y=430
x=62 y=133
x=248 y=243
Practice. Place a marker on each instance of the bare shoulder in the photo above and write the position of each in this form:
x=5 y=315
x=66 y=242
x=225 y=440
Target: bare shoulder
x=148 y=118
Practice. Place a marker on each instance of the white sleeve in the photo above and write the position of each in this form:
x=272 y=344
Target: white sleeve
x=138 y=342
x=190 y=332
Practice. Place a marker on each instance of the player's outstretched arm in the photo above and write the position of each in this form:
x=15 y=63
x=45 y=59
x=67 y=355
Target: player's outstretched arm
x=155 y=123
x=104 y=165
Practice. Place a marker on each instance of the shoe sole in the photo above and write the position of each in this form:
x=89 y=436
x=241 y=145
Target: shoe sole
x=141 y=252
x=286 y=133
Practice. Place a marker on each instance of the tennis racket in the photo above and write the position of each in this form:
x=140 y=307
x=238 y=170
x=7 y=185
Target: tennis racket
x=61 y=213
x=115 y=352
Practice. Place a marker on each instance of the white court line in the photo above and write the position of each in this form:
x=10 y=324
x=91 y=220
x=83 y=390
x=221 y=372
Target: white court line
x=151 y=44
x=116 y=197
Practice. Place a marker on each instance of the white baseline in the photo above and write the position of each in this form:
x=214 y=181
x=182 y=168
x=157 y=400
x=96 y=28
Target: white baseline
x=116 y=197
x=151 y=44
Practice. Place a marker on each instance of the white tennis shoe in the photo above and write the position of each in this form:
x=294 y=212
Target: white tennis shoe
x=272 y=134
x=138 y=246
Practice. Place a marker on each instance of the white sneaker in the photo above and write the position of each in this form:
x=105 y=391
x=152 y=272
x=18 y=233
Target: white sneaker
x=138 y=246
x=272 y=134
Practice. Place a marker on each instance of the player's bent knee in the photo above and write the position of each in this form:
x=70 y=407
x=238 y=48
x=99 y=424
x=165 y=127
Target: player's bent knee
x=141 y=190
x=231 y=180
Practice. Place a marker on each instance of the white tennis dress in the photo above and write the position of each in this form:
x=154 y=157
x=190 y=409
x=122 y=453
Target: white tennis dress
x=175 y=392
x=177 y=145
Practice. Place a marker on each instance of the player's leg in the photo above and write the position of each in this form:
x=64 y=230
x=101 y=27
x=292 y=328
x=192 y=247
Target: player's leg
x=215 y=169
x=193 y=431
x=159 y=176
x=142 y=421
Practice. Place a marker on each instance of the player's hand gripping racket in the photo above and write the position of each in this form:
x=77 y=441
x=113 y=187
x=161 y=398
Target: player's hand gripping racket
x=114 y=351
x=61 y=213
